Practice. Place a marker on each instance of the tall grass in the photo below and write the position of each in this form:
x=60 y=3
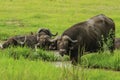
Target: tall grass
x=32 y=54
x=27 y=70
x=104 y=60
x=24 y=69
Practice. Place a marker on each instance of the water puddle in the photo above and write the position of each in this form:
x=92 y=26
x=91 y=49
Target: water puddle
x=62 y=64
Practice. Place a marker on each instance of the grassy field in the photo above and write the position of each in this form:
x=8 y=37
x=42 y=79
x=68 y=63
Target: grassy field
x=22 y=16
x=24 y=69
x=19 y=17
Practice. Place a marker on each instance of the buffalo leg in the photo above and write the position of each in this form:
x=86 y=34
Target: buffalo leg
x=75 y=56
x=74 y=59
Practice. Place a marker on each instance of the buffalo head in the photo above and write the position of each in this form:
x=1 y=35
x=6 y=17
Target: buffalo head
x=53 y=43
x=64 y=44
x=43 y=41
x=43 y=37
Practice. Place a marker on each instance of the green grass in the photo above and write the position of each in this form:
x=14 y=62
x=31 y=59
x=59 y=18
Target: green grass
x=27 y=70
x=23 y=69
x=104 y=60
x=32 y=54
x=19 y=17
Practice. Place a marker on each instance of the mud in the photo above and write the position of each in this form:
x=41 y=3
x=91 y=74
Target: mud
x=62 y=64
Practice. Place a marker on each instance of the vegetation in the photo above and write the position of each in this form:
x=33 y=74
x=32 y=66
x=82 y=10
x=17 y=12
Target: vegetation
x=104 y=60
x=31 y=54
x=20 y=17
x=38 y=70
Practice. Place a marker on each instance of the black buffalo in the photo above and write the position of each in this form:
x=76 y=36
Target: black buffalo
x=28 y=40
x=87 y=36
x=117 y=43
x=40 y=39
x=44 y=36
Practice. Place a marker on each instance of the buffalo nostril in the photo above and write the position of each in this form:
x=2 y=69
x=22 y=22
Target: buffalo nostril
x=62 y=52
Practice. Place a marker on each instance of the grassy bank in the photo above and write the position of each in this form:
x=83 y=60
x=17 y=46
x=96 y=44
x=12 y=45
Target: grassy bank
x=32 y=54
x=24 y=69
x=104 y=60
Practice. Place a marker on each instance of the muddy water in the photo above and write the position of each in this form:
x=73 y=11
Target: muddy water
x=62 y=64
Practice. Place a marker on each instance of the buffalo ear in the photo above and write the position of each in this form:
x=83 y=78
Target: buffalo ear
x=31 y=33
x=55 y=39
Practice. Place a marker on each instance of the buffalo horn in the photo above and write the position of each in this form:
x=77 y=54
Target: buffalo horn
x=54 y=34
x=41 y=29
x=51 y=33
x=73 y=41
x=20 y=42
x=55 y=39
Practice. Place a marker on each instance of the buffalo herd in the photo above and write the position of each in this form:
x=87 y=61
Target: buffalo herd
x=86 y=36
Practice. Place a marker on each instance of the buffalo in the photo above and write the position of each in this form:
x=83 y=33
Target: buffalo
x=28 y=40
x=89 y=36
x=44 y=36
x=117 y=43
x=40 y=39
